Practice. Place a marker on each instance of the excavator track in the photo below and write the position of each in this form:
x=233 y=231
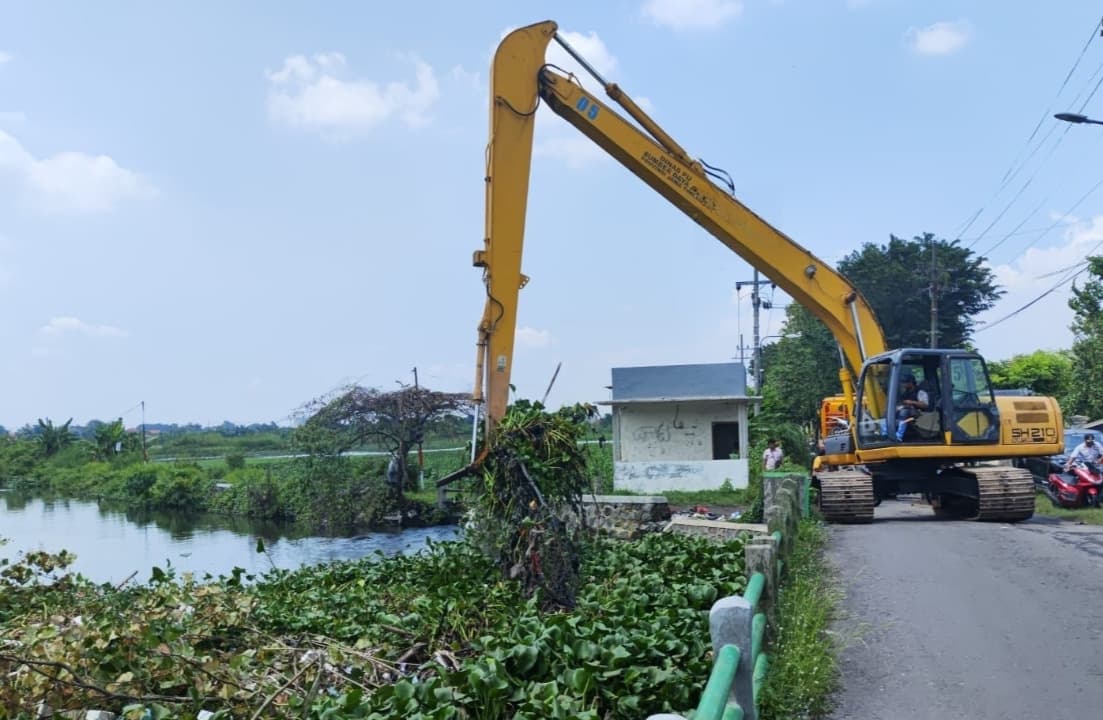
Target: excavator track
x=846 y=497
x=1005 y=493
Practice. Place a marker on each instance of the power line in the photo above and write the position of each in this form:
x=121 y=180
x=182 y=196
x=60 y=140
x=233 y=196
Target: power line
x=1016 y=165
x=1005 y=209
x=1064 y=215
x=1076 y=264
x=1013 y=313
x=1063 y=280
x=1014 y=230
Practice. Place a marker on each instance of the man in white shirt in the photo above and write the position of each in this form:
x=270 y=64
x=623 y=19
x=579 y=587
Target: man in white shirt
x=1086 y=451
x=771 y=459
x=911 y=402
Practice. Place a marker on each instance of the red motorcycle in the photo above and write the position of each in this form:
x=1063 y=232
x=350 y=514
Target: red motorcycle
x=1080 y=486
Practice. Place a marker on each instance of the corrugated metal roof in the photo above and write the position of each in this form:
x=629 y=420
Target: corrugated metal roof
x=710 y=381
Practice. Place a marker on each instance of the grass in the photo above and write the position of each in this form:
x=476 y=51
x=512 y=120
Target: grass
x=1089 y=516
x=803 y=665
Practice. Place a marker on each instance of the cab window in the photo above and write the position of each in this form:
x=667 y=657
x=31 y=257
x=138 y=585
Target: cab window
x=874 y=394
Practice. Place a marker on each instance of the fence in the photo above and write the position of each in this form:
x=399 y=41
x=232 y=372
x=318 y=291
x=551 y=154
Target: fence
x=737 y=624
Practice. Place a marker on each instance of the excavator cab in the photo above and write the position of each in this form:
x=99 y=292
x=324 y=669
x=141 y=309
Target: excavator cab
x=959 y=409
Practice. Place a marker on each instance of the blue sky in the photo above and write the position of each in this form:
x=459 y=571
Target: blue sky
x=227 y=209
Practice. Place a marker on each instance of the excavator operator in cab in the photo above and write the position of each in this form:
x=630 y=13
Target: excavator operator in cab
x=912 y=401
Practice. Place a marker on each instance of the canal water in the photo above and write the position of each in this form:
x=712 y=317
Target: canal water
x=111 y=543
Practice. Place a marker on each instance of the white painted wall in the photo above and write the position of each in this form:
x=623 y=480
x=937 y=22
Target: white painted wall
x=668 y=446
x=673 y=431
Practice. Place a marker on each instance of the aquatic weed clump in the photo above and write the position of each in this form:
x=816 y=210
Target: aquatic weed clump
x=535 y=472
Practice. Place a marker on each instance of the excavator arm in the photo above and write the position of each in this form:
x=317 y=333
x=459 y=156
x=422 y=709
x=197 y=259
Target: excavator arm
x=520 y=80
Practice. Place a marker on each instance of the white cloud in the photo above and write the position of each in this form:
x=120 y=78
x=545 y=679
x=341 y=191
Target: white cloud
x=61 y=326
x=310 y=93
x=4 y=57
x=940 y=38
x=467 y=78
x=533 y=338
x=591 y=47
x=1045 y=324
x=691 y=14
x=70 y=180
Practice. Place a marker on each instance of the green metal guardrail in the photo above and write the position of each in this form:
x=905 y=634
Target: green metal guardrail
x=716 y=701
x=723 y=698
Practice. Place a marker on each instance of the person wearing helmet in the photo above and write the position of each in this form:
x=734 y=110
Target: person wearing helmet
x=909 y=403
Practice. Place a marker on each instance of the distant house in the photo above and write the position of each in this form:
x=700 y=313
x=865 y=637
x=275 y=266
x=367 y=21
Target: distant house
x=680 y=427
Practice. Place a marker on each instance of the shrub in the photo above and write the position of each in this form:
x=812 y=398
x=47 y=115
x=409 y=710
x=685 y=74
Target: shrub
x=179 y=487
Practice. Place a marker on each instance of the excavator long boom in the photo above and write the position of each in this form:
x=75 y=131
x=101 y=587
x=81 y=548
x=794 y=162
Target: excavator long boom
x=520 y=80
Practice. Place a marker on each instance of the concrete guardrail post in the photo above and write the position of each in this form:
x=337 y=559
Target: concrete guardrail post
x=780 y=518
x=730 y=624
x=771 y=483
x=760 y=555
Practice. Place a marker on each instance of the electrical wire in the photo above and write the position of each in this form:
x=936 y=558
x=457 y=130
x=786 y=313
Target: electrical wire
x=1016 y=165
x=1062 y=270
x=1004 y=211
x=1062 y=281
x=1013 y=313
x=124 y=413
x=1061 y=218
x=1020 y=232
x=1014 y=230
x=1064 y=83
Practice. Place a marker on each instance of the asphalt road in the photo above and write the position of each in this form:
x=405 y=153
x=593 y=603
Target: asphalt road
x=952 y=619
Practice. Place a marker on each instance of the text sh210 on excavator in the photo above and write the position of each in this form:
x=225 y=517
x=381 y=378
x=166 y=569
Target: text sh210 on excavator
x=945 y=452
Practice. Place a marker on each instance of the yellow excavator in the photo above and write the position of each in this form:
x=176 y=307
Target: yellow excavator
x=871 y=450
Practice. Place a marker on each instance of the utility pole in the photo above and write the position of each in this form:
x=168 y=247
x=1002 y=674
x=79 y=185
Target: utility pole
x=420 y=453
x=933 y=289
x=756 y=303
x=145 y=455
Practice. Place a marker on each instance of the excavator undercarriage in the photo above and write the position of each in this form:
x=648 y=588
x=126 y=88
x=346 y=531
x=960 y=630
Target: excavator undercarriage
x=1001 y=493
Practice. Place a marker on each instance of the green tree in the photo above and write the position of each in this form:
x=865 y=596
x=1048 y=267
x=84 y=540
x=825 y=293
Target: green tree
x=1043 y=371
x=896 y=279
x=802 y=368
x=109 y=439
x=1086 y=393
x=53 y=438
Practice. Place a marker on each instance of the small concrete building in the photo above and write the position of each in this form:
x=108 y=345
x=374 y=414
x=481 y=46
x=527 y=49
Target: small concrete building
x=680 y=427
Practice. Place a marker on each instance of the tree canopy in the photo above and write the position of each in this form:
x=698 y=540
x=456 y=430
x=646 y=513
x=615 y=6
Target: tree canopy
x=801 y=368
x=896 y=279
x=1043 y=371
x=1086 y=393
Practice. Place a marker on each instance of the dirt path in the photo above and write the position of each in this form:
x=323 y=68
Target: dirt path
x=954 y=619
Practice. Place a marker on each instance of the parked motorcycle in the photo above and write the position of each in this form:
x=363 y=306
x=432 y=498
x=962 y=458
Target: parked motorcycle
x=1080 y=486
